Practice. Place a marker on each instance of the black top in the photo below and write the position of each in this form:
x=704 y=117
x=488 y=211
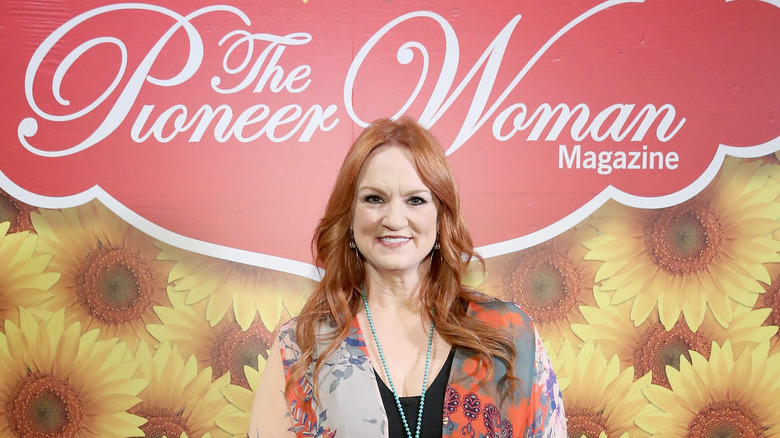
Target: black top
x=432 y=412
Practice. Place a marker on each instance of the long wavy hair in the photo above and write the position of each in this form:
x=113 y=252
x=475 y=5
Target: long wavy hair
x=337 y=297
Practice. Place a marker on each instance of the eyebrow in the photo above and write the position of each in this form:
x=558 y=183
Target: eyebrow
x=409 y=193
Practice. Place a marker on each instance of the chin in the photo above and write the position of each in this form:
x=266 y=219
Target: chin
x=397 y=266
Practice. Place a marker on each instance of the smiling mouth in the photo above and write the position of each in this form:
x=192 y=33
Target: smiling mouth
x=394 y=239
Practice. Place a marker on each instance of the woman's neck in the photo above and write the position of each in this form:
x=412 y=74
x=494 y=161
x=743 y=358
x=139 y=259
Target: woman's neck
x=393 y=292
x=401 y=287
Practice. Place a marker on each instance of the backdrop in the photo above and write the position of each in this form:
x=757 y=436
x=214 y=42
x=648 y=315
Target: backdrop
x=163 y=166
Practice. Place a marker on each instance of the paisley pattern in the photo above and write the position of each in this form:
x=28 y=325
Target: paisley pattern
x=349 y=403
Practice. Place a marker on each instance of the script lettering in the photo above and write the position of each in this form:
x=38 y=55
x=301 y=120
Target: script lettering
x=244 y=58
x=29 y=126
x=272 y=75
x=489 y=62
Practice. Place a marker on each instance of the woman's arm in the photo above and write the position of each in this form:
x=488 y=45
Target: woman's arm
x=270 y=416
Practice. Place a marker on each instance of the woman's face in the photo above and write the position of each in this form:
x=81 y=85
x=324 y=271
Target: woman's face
x=394 y=213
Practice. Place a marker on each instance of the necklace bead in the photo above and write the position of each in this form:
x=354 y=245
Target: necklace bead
x=390 y=380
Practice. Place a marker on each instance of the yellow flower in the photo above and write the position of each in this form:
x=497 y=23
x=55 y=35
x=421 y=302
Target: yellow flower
x=56 y=381
x=770 y=302
x=247 y=289
x=179 y=399
x=725 y=396
x=224 y=348
x=111 y=278
x=15 y=212
x=600 y=397
x=235 y=417
x=702 y=254
x=650 y=347
x=22 y=280
x=549 y=281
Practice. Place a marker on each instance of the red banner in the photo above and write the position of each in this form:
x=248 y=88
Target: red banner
x=220 y=128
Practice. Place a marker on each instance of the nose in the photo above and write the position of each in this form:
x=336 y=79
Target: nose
x=395 y=216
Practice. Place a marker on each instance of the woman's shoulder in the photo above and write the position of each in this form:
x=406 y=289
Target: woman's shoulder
x=287 y=330
x=485 y=303
x=287 y=333
x=292 y=324
x=487 y=307
x=287 y=342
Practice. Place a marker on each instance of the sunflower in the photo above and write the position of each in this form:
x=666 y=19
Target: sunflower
x=22 y=280
x=548 y=281
x=769 y=301
x=248 y=289
x=16 y=213
x=726 y=395
x=111 y=278
x=224 y=348
x=235 y=417
x=600 y=397
x=650 y=347
x=179 y=398
x=57 y=381
x=702 y=254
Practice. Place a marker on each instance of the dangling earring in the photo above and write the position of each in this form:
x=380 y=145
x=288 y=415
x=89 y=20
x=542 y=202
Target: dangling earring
x=353 y=246
x=436 y=246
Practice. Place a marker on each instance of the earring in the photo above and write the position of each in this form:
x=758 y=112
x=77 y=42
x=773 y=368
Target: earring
x=436 y=245
x=352 y=244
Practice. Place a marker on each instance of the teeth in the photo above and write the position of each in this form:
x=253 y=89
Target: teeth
x=393 y=239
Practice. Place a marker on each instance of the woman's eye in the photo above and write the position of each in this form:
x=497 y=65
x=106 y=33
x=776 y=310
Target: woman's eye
x=372 y=199
x=416 y=200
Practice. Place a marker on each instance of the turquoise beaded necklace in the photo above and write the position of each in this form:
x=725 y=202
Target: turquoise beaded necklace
x=390 y=380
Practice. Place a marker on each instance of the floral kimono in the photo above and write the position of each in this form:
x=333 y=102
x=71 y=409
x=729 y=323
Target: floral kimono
x=350 y=404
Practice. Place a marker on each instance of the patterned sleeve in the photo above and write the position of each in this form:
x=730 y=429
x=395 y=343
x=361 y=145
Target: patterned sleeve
x=549 y=418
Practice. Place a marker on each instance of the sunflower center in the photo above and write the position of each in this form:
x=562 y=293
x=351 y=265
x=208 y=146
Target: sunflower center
x=114 y=285
x=771 y=299
x=585 y=422
x=235 y=348
x=545 y=283
x=726 y=419
x=684 y=238
x=42 y=405
x=163 y=423
x=15 y=212
x=9 y=211
x=656 y=349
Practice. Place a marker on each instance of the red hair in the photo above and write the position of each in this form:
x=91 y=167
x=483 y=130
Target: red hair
x=337 y=297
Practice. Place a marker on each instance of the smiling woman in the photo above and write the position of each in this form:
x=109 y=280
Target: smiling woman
x=391 y=342
x=395 y=214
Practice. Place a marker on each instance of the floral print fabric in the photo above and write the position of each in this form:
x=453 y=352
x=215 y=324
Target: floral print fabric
x=350 y=405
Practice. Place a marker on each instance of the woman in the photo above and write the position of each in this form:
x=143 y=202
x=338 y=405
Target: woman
x=391 y=343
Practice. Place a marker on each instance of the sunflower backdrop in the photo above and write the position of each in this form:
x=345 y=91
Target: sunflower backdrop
x=179 y=146
x=660 y=322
